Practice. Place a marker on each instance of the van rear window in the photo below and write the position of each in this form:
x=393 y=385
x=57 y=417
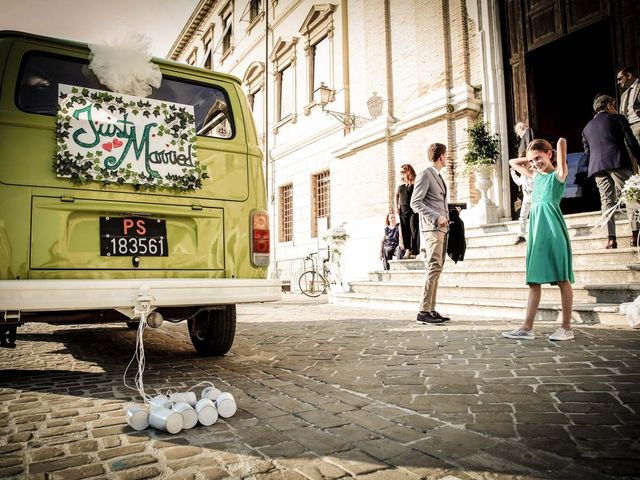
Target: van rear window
x=41 y=74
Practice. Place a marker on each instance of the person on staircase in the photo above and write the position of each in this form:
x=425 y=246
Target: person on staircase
x=525 y=134
x=526 y=183
x=429 y=200
x=608 y=160
x=630 y=104
x=390 y=240
x=409 y=222
x=549 y=258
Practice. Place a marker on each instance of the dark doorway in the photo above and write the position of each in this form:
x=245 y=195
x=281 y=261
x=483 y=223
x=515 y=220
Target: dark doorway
x=563 y=78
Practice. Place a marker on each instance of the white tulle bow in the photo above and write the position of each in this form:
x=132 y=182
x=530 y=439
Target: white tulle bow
x=126 y=67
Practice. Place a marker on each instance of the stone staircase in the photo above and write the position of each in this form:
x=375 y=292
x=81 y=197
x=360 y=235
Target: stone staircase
x=489 y=282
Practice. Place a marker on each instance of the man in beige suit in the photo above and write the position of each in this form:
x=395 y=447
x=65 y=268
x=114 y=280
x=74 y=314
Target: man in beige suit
x=429 y=200
x=630 y=104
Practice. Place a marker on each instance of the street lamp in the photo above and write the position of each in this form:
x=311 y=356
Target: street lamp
x=348 y=119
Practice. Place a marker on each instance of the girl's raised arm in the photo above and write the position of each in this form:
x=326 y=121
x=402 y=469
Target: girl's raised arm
x=561 y=152
x=521 y=165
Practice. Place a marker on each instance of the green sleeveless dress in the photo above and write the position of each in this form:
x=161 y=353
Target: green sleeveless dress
x=549 y=246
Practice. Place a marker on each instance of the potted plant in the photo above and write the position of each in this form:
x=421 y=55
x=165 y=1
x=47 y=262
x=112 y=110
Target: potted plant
x=484 y=151
x=484 y=147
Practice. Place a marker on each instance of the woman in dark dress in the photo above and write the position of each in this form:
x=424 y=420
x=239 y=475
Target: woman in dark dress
x=409 y=221
x=389 y=240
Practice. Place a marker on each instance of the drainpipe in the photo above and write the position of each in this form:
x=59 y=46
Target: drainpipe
x=345 y=60
x=265 y=113
x=391 y=167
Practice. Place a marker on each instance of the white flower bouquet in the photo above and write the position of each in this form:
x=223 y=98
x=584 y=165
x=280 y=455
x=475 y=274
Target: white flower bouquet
x=631 y=192
x=337 y=235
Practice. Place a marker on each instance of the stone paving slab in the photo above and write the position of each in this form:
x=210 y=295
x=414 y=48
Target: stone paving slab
x=329 y=392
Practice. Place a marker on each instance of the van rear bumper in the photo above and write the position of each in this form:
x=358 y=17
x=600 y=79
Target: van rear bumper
x=52 y=295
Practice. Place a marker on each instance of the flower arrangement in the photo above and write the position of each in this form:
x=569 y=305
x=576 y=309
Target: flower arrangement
x=631 y=192
x=484 y=147
x=337 y=235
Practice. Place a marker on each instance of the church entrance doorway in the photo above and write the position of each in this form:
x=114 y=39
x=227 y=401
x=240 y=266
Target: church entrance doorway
x=558 y=55
x=564 y=78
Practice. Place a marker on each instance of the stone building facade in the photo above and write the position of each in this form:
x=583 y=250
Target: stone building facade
x=416 y=71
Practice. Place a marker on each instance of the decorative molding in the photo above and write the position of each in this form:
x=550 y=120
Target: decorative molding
x=254 y=74
x=284 y=121
x=308 y=107
x=226 y=54
x=255 y=22
x=318 y=17
x=283 y=49
x=429 y=109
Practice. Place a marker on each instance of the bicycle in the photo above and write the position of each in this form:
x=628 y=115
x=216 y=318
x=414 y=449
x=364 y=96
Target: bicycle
x=313 y=283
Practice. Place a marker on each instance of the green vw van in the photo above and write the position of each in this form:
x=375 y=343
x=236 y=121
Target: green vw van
x=114 y=206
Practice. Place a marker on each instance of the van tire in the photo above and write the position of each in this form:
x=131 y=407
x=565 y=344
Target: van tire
x=212 y=331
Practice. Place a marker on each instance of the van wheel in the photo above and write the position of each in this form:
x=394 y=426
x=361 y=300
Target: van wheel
x=212 y=331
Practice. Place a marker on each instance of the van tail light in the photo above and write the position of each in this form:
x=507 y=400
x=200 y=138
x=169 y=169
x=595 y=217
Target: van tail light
x=260 y=245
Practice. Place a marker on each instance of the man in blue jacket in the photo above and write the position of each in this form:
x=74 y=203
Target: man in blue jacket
x=609 y=163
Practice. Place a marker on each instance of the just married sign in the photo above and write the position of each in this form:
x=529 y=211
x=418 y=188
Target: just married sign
x=108 y=137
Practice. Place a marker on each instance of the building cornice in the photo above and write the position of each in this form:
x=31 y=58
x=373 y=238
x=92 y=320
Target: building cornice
x=430 y=109
x=190 y=28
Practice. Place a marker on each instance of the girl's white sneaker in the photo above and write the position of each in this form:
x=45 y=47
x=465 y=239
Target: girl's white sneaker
x=561 y=334
x=519 y=334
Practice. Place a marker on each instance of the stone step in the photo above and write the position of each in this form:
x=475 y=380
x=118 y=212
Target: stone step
x=506 y=237
x=607 y=314
x=585 y=220
x=593 y=293
x=462 y=275
x=481 y=258
x=578 y=244
x=489 y=283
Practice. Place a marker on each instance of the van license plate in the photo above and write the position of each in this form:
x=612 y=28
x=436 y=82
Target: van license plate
x=133 y=236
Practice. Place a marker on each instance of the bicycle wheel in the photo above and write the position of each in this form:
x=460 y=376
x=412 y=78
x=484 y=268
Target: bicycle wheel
x=312 y=284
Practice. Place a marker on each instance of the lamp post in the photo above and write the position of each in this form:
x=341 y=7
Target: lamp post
x=348 y=119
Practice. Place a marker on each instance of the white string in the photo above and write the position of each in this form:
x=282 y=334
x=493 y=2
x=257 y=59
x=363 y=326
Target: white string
x=202 y=383
x=140 y=358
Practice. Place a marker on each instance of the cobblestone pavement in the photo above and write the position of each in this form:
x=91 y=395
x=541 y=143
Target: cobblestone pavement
x=329 y=392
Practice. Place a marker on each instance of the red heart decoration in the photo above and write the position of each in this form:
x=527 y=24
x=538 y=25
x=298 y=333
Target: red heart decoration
x=107 y=146
x=116 y=143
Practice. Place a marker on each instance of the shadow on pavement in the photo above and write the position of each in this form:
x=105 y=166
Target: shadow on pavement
x=355 y=396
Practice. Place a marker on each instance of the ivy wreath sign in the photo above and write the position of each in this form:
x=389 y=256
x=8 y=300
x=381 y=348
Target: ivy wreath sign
x=116 y=138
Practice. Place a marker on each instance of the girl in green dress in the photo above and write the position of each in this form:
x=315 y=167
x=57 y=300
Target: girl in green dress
x=549 y=245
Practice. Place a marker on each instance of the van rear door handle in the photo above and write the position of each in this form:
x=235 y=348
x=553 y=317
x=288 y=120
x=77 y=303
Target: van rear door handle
x=67 y=198
x=196 y=207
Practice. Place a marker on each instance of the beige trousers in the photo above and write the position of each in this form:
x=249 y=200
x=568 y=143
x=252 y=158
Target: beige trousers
x=435 y=247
